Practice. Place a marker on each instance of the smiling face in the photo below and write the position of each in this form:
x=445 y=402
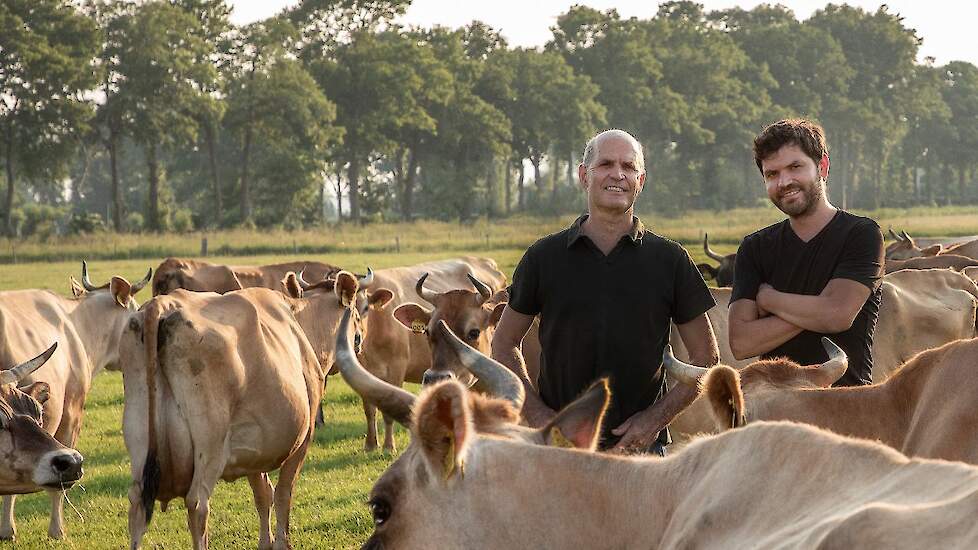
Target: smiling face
x=615 y=178
x=795 y=183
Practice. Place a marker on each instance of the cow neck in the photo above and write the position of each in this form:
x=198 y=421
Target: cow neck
x=318 y=317
x=97 y=319
x=615 y=500
x=870 y=412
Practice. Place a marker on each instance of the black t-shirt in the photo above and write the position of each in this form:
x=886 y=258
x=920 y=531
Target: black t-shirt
x=607 y=315
x=848 y=247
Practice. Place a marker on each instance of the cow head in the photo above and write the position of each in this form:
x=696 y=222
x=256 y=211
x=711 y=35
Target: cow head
x=176 y=273
x=101 y=314
x=905 y=247
x=735 y=396
x=470 y=315
x=29 y=456
x=327 y=298
x=448 y=425
x=724 y=273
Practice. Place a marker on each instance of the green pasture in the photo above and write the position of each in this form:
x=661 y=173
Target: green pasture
x=329 y=510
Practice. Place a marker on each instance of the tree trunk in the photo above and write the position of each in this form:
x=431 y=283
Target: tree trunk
x=353 y=175
x=410 y=177
x=211 y=139
x=153 y=197
x=8 y=203
x=245 y=190
x=491 y=179
x=537 y=180
x=520 y=198
x=508 y=191
x=571 y=172
x=113 y=147
x=554 y=180
x=339 y=194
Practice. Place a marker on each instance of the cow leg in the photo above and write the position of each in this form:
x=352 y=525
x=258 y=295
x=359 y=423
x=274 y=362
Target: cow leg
x=287 y=476
x=389 y=435
x=370 y=412
x=56 y=527
x=8 y=530
x=262 y=489
x=198 y=508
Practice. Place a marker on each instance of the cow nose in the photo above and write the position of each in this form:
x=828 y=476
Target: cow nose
x=433 y=377
x=68 y=466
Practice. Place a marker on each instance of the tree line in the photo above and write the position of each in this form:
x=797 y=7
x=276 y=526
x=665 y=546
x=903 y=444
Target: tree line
x=163 y=115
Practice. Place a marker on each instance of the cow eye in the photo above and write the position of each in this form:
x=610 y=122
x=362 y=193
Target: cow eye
x=381 y=511
x=474 y=333
x=357 y=339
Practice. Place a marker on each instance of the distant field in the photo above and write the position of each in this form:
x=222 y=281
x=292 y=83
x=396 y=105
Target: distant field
x=329 y=510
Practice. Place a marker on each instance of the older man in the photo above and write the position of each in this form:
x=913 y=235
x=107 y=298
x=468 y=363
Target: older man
x=606 y=290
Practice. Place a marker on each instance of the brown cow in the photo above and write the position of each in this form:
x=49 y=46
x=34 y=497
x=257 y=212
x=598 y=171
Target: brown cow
x=87 y=328
x=30 y=459
x=924 y=409
x=223 y=387
x=768 y=485
x=906 y=247
x=941 y=261
x=176 y=273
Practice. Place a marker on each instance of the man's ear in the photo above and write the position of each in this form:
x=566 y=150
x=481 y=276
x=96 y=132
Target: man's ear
x=380 y=298
x=77 y=290
x=442 y=423
x=292 y=286
x=578 y=425
x=38 y=390
x=121 y=290
x=413 y=316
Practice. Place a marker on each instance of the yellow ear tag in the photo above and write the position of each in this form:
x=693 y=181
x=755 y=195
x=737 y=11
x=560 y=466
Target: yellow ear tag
x=449 y=465
x=557 y=439
x=419 y=327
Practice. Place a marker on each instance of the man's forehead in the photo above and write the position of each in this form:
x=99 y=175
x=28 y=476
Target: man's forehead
x=782 y=157
x=614 y=146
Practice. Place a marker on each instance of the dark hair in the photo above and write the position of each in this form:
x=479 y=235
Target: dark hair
x=806 y=134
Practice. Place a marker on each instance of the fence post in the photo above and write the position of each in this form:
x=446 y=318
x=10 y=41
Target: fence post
x=397 y=243
x=203 y=246
x=487 y=241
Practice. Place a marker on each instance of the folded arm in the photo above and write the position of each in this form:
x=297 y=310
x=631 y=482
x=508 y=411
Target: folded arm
x=831 y=311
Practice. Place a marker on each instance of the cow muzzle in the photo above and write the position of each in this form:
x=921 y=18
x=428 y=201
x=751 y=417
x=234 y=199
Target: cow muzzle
x=59 y=469
x=432 y=377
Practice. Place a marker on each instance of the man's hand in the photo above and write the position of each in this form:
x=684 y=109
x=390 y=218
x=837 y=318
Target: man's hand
x=639 y=431
x=763 y=293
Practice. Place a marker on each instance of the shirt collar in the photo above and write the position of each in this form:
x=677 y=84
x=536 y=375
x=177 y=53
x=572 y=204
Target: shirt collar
x=634 y=236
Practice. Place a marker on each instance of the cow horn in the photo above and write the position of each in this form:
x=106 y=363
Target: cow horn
x=425 y=295
x=706 y=248
x=838 y=360
x=367 y=279
x=483 y=288
x=498 y=380
x=20 y=371
x=86 y=282
x=139 y=285
x=906 y=236
x=302 y=282
x=893 y=234
x=394 y=402
x=683 y=372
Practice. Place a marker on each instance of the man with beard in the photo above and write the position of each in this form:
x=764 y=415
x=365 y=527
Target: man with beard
x=814 y=274
x=606 y=289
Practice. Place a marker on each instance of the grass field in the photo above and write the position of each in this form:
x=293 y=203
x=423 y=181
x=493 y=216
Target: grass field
x=329 y=510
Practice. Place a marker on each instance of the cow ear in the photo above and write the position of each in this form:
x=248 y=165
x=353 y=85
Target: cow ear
x=497 y=313
x=121 y=290
x=442 y=424
x=346 y=287
x=413 y=316
x=38 y=390
x=291 y=284
x=723 y=390
x=380 y=298
x=578 y=425
x=707 y=271
x=77 y=290
x=231 y=282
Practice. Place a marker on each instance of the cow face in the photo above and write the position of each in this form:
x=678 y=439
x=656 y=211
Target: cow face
x=904 y=247
x=29 y=456
x=471 y=316
x=449 y=427
x=175 y=273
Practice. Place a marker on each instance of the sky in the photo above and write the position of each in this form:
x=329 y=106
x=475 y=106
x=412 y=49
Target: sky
x=947 y=26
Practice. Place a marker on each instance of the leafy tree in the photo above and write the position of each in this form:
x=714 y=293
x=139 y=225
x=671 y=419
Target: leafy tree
x=46 y=53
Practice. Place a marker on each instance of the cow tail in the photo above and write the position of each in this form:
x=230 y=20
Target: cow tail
x=151 y=467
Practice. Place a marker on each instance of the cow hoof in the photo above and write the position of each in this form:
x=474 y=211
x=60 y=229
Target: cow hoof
x=370 y=446
x=390 y=449
x=56 y=534
x=8 y=535
x=282 y=545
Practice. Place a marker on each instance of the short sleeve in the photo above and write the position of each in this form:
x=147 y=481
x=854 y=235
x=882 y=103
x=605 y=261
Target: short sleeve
x=692 y=298
x=747 y=275
x=862 y=256
x=524 y=296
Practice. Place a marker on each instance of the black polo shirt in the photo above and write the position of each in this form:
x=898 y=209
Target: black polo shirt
x=607 y=315
x=848 y=247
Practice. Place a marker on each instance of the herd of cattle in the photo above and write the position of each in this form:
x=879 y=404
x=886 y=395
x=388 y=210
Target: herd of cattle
x=225 y=367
